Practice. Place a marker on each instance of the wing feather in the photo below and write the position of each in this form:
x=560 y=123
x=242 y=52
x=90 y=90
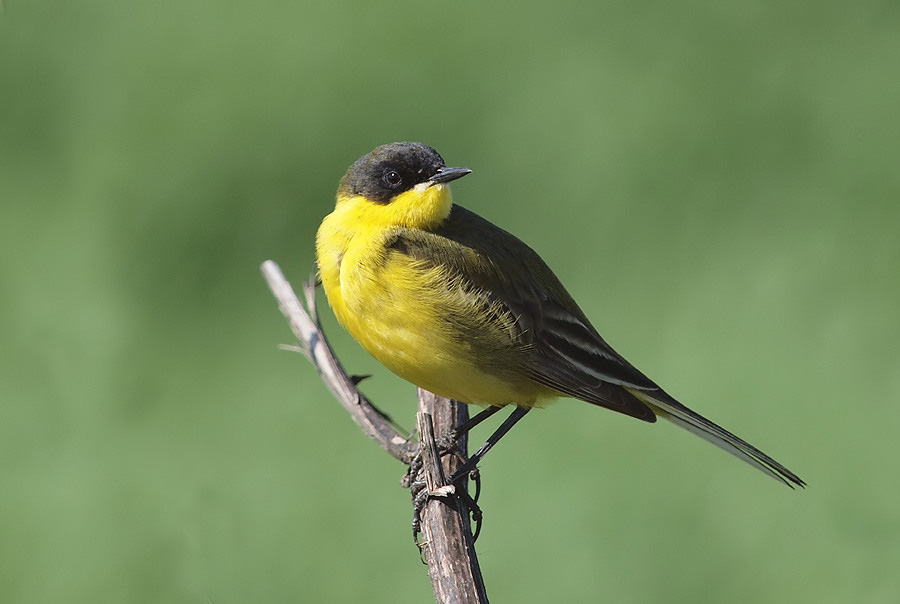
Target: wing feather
x=558 y=347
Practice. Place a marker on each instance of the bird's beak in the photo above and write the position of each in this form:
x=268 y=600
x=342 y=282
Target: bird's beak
x=446 y=174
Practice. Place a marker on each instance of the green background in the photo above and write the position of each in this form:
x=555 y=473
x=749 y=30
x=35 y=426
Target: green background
x=716 y=182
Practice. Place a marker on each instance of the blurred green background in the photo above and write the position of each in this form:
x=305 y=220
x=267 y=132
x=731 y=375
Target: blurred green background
x=717 y=183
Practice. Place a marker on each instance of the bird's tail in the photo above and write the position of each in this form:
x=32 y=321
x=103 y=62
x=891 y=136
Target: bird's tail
x=667 y=407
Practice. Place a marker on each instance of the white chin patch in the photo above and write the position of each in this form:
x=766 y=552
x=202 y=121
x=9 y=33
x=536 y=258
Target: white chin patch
x=422 y=186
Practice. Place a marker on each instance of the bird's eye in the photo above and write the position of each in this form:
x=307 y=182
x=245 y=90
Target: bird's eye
x=392 y=178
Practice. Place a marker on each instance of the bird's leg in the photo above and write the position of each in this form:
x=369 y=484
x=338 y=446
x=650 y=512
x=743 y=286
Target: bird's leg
x=448 y=441
x=421 y=494
x=517 y=414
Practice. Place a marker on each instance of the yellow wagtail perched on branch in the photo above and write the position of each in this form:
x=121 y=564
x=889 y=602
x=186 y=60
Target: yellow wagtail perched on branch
x=460 y=307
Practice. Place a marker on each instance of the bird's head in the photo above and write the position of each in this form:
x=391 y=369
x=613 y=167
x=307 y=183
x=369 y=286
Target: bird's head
x=402 y=184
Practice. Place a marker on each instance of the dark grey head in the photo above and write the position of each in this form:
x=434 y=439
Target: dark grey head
x=394 y=168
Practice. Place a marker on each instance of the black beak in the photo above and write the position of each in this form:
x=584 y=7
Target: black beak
x=446 y=174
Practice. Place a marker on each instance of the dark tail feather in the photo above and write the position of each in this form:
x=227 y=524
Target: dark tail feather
x=667 y=407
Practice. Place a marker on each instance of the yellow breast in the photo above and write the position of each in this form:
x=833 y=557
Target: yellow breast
x=397 y=308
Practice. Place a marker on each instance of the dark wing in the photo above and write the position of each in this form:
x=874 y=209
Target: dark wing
x=562 y=350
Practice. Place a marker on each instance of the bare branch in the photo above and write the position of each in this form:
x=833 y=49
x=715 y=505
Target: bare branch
x=367 y=417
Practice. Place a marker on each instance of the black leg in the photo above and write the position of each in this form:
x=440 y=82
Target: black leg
x=517 y=414
x=476 y=419
x=448 y=440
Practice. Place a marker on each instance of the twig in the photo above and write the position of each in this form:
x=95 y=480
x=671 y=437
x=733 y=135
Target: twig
x=310 y=334
x=448 y=548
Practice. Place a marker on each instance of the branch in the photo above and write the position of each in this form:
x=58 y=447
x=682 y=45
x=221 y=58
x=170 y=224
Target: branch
x=308 y=330
x=448 y=548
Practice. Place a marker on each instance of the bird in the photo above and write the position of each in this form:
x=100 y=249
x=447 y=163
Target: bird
x=460 y=307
